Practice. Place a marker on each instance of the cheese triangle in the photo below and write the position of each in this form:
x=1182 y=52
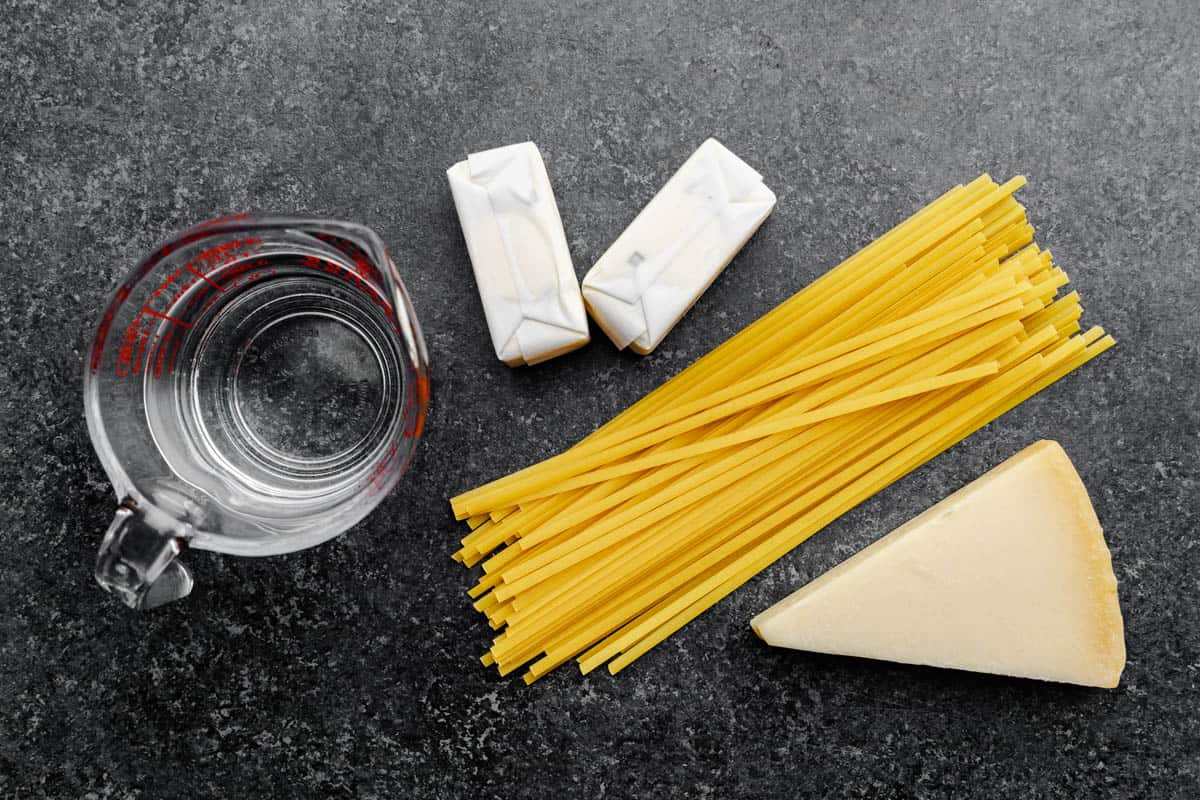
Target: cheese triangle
x=1008 y=575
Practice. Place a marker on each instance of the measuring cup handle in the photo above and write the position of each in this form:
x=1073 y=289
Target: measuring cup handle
x=137 y=562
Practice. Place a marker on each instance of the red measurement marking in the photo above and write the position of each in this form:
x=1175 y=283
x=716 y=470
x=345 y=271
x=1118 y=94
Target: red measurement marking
x=171 y=361
x=352 y=277
x=197 y=296
x=167 y=317
x=209 y=305
x=231 y=276
x=169 y=279
x=205 y=278
x=193 y=234
x=134 y=337
x=141 y=351
x=362 y=261
x=124 y=359
x=160 y=357
x=184 y=288
x=218 y=256
x=105 y=326
x=377 y=474
x=168 y=343
x=221 y=220
x=365 y=267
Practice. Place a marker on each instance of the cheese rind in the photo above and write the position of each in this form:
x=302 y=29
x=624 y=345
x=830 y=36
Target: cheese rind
x=676 y=247
x=1008 y=575
x=519 y=254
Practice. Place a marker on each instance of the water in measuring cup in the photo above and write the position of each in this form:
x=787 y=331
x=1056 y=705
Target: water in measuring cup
x=281 y=384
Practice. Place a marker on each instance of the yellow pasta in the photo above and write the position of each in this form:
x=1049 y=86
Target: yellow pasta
x=925 y=335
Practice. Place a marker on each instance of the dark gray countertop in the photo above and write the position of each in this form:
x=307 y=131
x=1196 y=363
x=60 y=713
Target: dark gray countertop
x=349 y=669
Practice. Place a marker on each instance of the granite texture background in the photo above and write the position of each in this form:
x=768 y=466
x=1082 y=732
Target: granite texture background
x=349 y=669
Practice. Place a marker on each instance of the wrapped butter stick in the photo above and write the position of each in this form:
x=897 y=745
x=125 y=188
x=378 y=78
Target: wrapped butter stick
x=676 y=247
x=519 y=254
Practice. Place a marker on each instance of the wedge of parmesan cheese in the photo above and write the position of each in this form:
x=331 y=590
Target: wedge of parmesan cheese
x=1008 y=575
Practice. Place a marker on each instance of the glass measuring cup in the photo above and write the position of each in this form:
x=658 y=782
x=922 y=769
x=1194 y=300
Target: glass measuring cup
x=256 y=386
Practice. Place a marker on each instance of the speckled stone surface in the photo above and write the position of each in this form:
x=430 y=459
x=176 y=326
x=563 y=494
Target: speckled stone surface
x=349 y=670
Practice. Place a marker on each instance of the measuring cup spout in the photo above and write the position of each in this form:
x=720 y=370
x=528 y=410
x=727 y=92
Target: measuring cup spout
x=137 y=561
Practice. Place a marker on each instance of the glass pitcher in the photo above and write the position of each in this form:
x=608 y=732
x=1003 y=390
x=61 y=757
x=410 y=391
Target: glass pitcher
x=256 y=386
